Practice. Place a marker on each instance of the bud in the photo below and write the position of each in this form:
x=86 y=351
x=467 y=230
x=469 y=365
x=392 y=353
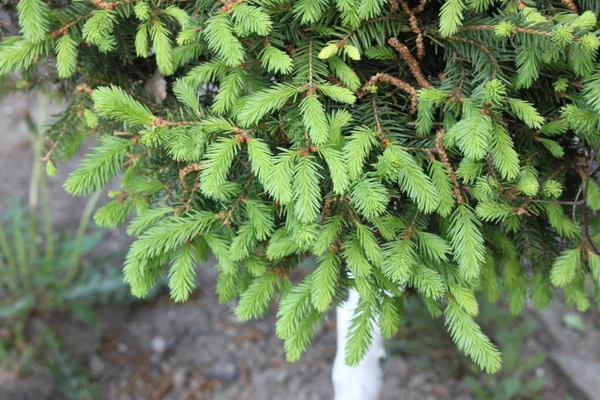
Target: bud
x=505 y=29
x=562 y=35
x=328 y=51
x=352 y=52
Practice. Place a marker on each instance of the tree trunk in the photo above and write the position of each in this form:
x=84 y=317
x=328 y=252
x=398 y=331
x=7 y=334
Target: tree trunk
x=364 y=381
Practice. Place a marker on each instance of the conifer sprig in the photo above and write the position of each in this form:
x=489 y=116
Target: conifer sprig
x=99 y=167
x=113 y=103
x=33 y=19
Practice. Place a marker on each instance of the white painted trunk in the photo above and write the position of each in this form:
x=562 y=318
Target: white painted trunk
x=364 y=381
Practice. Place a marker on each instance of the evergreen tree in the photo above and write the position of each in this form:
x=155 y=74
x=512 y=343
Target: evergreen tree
x=419 y=150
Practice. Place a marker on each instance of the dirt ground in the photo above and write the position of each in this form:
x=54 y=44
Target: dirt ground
x=197 y=350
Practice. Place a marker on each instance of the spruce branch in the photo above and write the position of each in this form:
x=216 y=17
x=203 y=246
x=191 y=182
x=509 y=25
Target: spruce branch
x=62 y=132
x=515 y=29
x=182 y=275
x=193 y=167
x=586 y=186
x=66 y=56
x=114 y=103
x=451 y=16
x=267 y=149
x=33 y=19
x=483 y=48
x=466 y=241
x=468 y=337
x=227 y=216
x=183 y=173
x=101 y=165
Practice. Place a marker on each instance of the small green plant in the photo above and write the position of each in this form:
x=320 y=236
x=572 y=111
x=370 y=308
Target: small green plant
x=43 y=270
x=518 y=378
x=422 y=339
x=71 y=376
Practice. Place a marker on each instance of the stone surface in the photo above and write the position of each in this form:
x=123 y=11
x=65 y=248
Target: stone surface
x=158 y=344
x=575 y=353
x=582 y=373
x=225 y=370
x=96 y=365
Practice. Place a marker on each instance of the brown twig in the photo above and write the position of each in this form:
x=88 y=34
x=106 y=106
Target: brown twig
x=517 y=29
x=400 y=84
x=159 y=121
x=570 y=5
x=228 y=4
x=376 y=115
x=439 y=144
x=410 y=228
x=182 y=174
x=418 y=9
x=414 y=25
x=65 y=29
x=187 y=170
x=413 y=64
x=327 y=205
